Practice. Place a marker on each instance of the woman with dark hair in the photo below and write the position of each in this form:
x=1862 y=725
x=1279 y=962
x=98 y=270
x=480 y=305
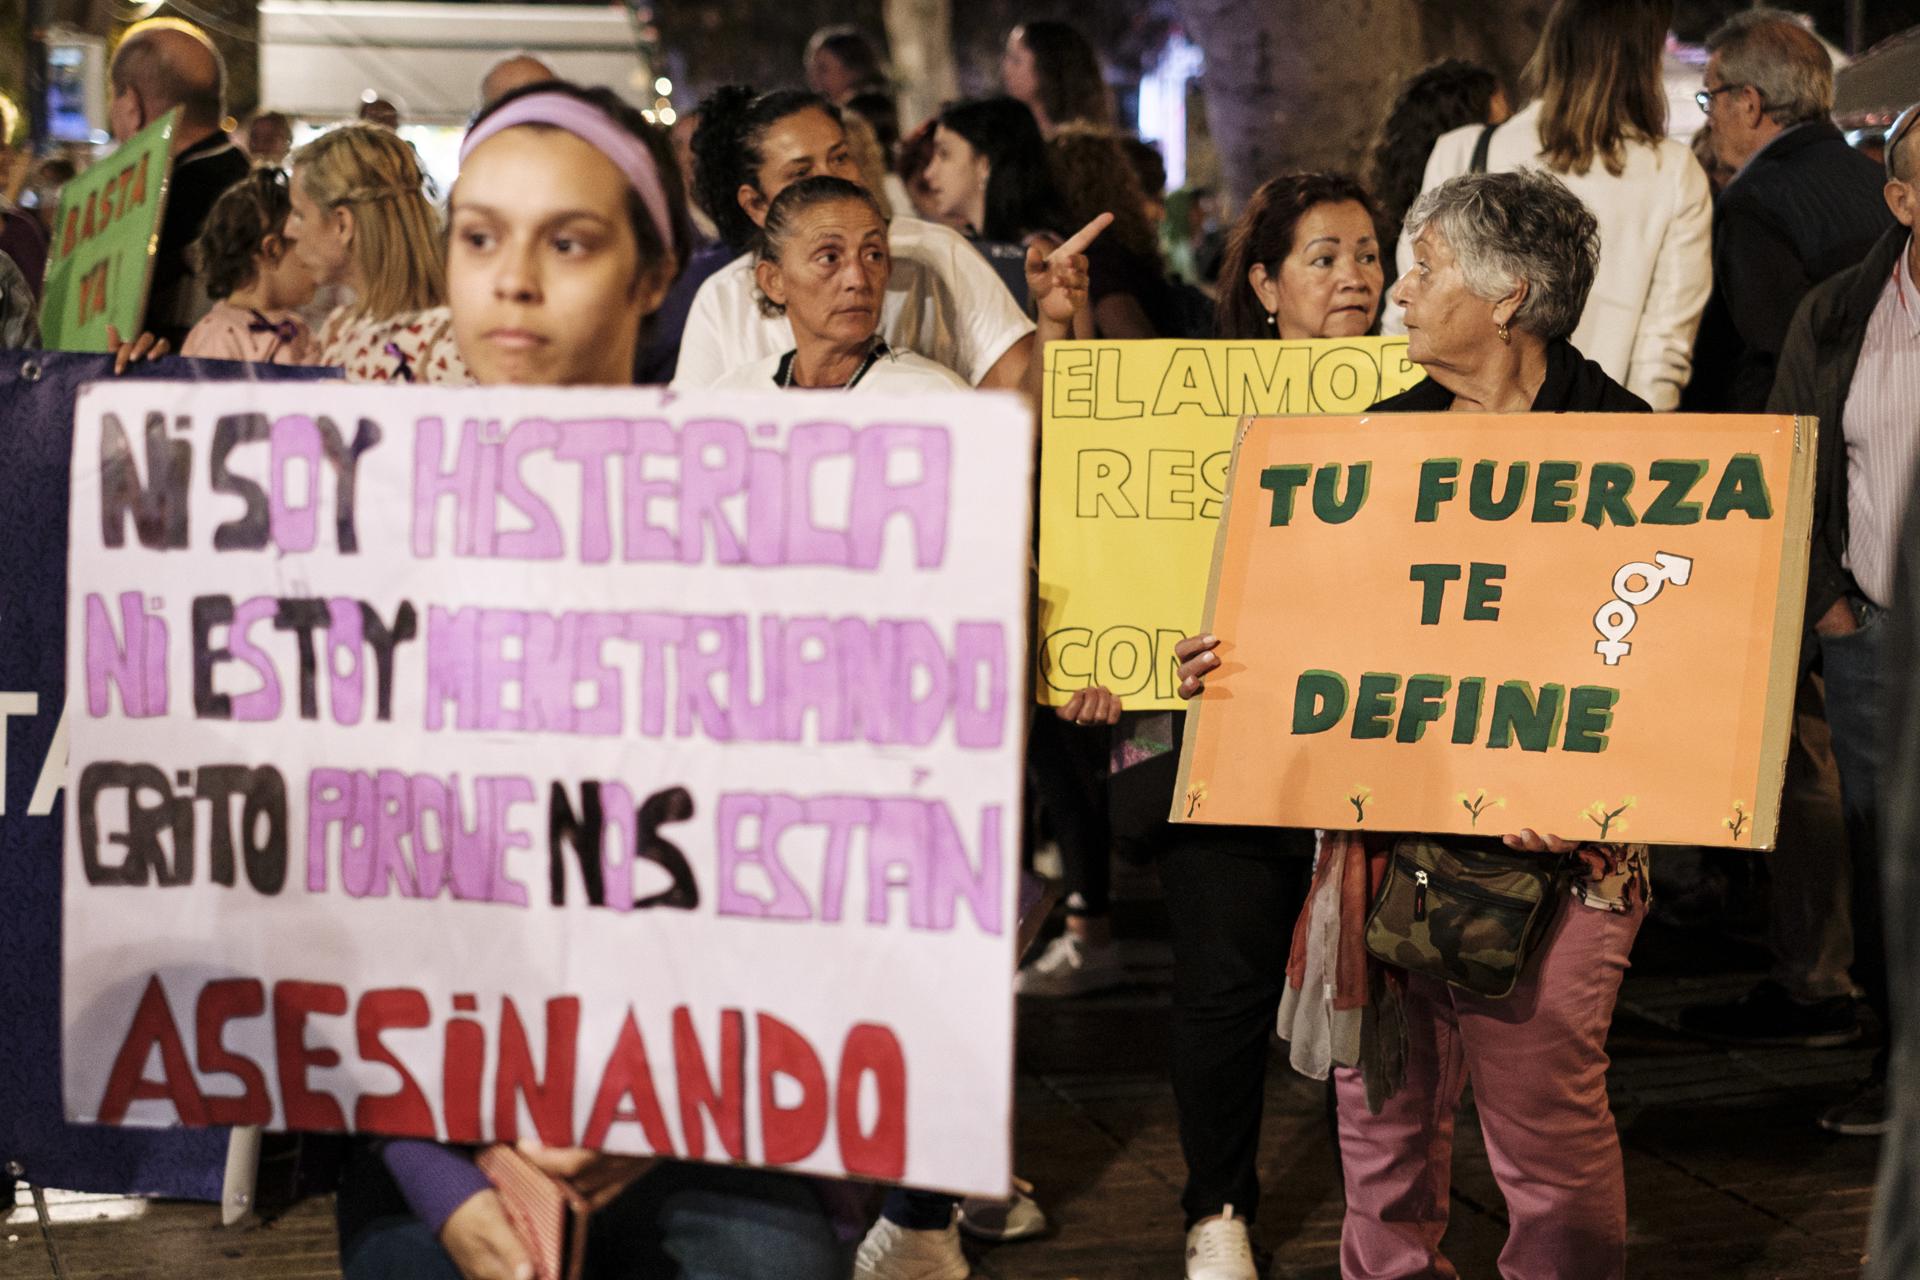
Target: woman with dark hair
x=1437 y=99
x=910 y=167
x=1131 y=295
x=568 y=224
x=990 y=176
x=1598 y=122
x=1302 y=262
x=1053 y=69
x=942 y=299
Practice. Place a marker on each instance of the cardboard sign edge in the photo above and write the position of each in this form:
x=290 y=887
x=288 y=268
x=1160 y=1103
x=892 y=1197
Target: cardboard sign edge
x=1182 y=778
x=1789 y=631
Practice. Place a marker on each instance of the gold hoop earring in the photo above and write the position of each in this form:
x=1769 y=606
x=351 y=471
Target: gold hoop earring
x=1505 y=336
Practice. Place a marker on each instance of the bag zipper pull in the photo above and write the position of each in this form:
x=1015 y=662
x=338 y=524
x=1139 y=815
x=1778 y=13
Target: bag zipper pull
x=1419 y=895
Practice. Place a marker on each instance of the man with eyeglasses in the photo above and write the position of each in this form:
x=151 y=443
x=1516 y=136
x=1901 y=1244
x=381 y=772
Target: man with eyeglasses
x=1802 y=204
x=1852 y=357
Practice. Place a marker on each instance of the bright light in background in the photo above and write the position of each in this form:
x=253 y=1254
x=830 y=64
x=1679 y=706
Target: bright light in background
x=1163 y=105
x=663 y=86
x=668 y=116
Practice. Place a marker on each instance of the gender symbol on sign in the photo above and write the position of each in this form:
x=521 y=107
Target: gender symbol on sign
x=1616 y=618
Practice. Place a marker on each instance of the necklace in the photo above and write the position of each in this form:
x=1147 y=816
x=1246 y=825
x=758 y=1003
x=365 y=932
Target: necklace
x=784 y=377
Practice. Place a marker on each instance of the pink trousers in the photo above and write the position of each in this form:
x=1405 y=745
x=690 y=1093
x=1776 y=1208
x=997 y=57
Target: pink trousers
x=1538 y=1062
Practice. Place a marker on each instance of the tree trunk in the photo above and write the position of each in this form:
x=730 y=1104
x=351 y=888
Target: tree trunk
x=1301 y=84
x=920 y=36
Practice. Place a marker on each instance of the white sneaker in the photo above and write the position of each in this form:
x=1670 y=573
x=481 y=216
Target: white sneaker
x=1018 y=1218
x=1219 y=1249
x=892 y=1252
x=1069 y=967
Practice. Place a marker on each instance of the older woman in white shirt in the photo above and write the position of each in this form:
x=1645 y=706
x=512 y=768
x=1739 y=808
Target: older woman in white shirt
x=824 y=262
x=943 y=300
x=1599 y=125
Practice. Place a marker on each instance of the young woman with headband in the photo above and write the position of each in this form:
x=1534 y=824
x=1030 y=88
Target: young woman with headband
x=567 y=226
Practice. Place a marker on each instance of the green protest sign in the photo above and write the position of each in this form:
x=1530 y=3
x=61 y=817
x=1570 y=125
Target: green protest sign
x=100 y=263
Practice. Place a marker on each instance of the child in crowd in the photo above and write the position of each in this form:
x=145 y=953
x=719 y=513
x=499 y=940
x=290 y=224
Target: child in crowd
x=257 y=282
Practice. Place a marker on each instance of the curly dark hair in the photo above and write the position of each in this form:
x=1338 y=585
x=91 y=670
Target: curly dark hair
x=1265 y=234
x=726 y=151
x=251 y=210
x=646 y=235
x=1435 y=100
x=1093 y=176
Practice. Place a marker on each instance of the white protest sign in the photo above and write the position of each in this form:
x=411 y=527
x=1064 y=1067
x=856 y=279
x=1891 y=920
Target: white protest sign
x=623 y=769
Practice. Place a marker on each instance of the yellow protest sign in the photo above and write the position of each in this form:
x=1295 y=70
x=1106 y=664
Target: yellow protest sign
x=1585 y=624
x=1133 y=466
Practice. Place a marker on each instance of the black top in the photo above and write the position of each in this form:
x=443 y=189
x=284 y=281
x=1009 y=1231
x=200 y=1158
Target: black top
x=201 y=175
x=1804 y=208
x=1574 y=384
x=1009 y=262
x=1114 y=269
x=1815 y=377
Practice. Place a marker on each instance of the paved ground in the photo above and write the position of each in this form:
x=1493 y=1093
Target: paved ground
x=1727 y=1175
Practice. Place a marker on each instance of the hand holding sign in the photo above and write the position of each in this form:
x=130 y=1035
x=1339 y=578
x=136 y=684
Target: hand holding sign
x=1197 y=661
x=126 y=351
x=482 y=1241
x=1057 y=281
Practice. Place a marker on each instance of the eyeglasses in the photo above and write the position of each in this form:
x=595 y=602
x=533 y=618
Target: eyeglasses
x=1706 y=96
x=1897 y=133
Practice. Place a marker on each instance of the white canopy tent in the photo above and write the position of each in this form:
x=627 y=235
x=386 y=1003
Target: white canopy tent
x=319 y=58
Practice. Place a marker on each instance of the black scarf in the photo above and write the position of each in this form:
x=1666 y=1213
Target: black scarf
x=1574 y=384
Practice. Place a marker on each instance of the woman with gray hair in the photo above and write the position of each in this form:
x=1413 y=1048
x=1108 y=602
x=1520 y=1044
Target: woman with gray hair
x=1501 y=267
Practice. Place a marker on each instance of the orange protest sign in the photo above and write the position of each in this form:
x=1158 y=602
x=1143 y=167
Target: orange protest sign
x=1586 y=624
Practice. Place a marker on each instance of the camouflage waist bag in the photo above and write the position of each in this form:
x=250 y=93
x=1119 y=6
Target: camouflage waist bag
x=1465 y=913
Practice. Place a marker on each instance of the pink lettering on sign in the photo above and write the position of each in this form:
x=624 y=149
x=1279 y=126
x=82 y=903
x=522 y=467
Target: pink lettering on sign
x=730 y=678
x=415 y=836
x=133 y=660
x=913 y=853
x=702 y=492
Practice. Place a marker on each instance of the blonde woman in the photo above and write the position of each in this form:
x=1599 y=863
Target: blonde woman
x=1598 y=123
x=361 y=220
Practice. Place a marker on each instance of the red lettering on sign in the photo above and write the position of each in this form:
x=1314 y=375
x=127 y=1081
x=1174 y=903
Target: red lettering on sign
x=406 y=1109
x=880 y=1152
x=550 y=1101
x=293 y=1003
x=789 y=1134
x=628 y=1075
x=92 y=295
x=220 y=1003
x=465 y=1057
x=127 y=1083
x=700 y=1096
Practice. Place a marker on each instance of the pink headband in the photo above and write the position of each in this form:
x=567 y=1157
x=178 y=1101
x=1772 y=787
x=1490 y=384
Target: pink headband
x=595 y=128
